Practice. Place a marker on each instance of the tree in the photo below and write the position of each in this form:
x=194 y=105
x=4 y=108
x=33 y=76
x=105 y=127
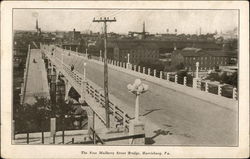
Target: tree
x=180 y=66
x=181 y=74
x=213 y=76
x=29 y=118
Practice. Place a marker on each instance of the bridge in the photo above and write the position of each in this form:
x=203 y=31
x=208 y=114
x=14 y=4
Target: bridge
x=35 y=78
x=173 y=114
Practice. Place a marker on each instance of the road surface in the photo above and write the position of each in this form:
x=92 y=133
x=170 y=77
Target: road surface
x=37 y=83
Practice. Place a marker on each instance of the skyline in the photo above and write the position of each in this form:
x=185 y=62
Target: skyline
x=156 y=21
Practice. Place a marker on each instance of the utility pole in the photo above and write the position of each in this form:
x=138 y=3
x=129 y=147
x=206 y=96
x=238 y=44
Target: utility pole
x=106 y=94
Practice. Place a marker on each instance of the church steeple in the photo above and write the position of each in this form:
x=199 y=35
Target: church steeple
x=37 y=24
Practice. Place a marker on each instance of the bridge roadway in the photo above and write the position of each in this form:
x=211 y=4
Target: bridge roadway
x=37 y=83
x=180 y=119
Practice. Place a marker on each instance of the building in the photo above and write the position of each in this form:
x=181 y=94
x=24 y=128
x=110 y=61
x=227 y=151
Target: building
x=73 y=35
x=207 y=59
x=139 y=51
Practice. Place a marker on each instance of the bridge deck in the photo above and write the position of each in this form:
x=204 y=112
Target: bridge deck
x=172 y=117
x=37 y=83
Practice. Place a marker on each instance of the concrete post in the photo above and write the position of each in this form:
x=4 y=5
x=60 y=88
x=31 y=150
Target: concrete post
x=136 y=127
x=52 y=127
x=219 y=90
x=134 y=67
x=197 y=70
x=167 y=76
x=143 y=70
x=206 y=87
x=149 y=71
x=70 y=48
x=154 y=72
x=91 y=120
x=139 y=69
x=185 y=81
x=100 y=58
x=235 y=93
x=176 y=79
x=161 y=74
x=128 y=59
x=194 y=82
x=76 y=49
x=86 y=53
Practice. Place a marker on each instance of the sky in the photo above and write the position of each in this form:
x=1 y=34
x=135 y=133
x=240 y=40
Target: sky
x=156 y=21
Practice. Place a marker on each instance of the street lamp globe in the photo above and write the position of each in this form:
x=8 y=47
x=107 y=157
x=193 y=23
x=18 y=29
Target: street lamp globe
x=137 y=88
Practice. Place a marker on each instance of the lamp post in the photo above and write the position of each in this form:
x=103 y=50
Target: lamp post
x=128 y=64
x=137 y=88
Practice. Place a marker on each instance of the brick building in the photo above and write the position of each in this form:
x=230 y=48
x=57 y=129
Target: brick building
x=139 y=51
x=207 y=59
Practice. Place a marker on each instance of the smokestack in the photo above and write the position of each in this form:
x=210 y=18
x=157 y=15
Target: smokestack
x=143 y=29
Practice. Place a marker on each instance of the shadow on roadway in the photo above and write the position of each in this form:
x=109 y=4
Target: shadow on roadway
x=150 y=140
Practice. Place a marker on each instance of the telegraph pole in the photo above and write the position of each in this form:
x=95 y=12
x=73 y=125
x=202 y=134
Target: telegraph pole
x=104 y=21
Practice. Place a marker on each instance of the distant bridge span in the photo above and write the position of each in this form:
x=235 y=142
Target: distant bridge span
x=189 y=116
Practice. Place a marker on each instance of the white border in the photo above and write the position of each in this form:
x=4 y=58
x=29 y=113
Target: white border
x=51 y=151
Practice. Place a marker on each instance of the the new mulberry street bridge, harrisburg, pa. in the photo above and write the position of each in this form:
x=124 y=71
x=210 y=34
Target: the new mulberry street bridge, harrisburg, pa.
x=169 y=113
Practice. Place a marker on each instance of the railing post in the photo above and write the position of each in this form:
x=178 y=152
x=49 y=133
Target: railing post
x=135 y=68
x=161 y=74
x=195 y=82
x=206 y=87
x=235 y=93
x=167 y=76
x=143 y=70
x=28 y=138
x=42 y=137
x=185 y=81
x=149 y=71
x=176 y=79
x=124 y=120
x=219 y=90
x=154 y=72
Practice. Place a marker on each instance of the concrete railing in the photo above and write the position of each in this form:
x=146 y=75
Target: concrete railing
x=151 y=75
x=26 y=71
x=119 y=117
